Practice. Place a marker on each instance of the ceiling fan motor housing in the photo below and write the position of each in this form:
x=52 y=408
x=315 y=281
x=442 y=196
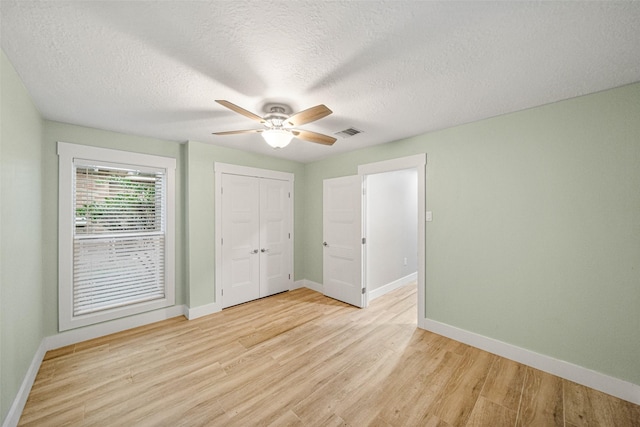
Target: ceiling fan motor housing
x=276 y=115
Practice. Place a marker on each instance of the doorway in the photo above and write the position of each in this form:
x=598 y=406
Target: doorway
x=390 y=224
x=344 y=274
x=415 y=163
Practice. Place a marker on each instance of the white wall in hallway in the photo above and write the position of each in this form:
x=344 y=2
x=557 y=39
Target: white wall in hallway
x=391 y=227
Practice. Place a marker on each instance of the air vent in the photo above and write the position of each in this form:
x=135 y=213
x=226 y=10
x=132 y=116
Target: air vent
x=348 y=132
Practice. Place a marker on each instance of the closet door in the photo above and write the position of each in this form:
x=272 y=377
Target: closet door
x=275 y=237
x=240 y=239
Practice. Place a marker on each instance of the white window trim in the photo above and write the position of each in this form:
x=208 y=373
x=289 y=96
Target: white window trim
x=67 y=154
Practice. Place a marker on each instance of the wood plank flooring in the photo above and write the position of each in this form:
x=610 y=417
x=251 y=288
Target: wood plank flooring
x=301 y=359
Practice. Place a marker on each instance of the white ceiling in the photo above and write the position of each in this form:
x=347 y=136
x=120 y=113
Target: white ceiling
x=390 y=68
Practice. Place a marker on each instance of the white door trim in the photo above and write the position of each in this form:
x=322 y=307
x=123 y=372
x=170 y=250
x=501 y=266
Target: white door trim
x=418 y=162
x=220 y=168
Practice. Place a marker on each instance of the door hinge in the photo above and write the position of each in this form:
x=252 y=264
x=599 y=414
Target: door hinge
x=364 y=240
x=221 y=190
x=222 y=292
x=364 y=191
x=289 y=276
x=364 y=290
x=289 y=235
x=289 y=194
x=221 y=241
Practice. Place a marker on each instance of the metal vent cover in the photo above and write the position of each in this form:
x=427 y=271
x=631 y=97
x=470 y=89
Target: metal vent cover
x=349 y=132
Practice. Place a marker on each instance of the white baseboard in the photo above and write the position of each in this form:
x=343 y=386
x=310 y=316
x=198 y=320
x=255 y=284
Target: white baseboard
x=13 y=416
x=304 y=283
x=598 y=381
x=384 y=289
x=578 y=374
x=78 y=335
x=74 y=336
x=203 y=310
x=297 y=285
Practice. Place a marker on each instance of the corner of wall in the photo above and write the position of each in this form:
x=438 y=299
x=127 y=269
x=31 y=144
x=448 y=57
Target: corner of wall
x=21 y=323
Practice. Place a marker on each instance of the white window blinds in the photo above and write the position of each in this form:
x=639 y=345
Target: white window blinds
x=119 y=237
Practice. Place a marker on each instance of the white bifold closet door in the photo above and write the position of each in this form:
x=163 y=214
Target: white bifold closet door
x=256 y=238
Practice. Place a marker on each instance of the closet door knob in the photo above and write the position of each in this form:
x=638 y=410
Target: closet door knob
x=325 y=244
x=255 y=251
x=263 y=250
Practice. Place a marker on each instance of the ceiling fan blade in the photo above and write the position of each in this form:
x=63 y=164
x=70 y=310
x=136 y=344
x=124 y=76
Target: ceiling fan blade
x=309 y=115
x=240 y=110
x=235 y=132
x=318 y=138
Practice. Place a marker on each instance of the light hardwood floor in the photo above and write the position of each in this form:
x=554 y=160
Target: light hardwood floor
x=301 y=359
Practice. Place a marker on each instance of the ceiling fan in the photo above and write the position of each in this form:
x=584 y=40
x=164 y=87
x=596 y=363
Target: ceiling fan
x=280 y=127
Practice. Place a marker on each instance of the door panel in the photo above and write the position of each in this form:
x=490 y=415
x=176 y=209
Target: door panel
x=274 y=237
x=256 y=249
x=241 y=240
x=342 y=269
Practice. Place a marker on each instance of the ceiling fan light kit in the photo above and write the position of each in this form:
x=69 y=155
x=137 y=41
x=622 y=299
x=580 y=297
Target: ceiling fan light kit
x=279 y=126
x=277 y=138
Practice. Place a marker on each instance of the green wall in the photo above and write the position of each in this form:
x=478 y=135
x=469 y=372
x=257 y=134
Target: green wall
x=21 y=292
x=535 y=239
x=29 y=221
x=201 y=212
x=54 y=132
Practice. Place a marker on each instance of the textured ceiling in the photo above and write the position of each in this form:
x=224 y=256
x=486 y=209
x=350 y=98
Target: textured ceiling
x=392 y=69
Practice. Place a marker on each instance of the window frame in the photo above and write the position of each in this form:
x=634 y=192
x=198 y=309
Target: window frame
x=68 y=154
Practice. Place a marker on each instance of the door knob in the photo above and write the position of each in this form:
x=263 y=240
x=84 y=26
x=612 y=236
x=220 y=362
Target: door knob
x=325 y=244
x=255 y=251
x=263 y=250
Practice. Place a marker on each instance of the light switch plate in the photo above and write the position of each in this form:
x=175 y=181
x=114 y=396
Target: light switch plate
x=429 y=216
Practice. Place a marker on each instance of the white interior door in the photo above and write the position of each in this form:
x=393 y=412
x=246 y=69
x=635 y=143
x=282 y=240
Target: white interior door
x=342 y=235
x=240 y=239
x=275 y=237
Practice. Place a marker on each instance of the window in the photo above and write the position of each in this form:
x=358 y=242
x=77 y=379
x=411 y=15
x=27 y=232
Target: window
x=116 y=217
